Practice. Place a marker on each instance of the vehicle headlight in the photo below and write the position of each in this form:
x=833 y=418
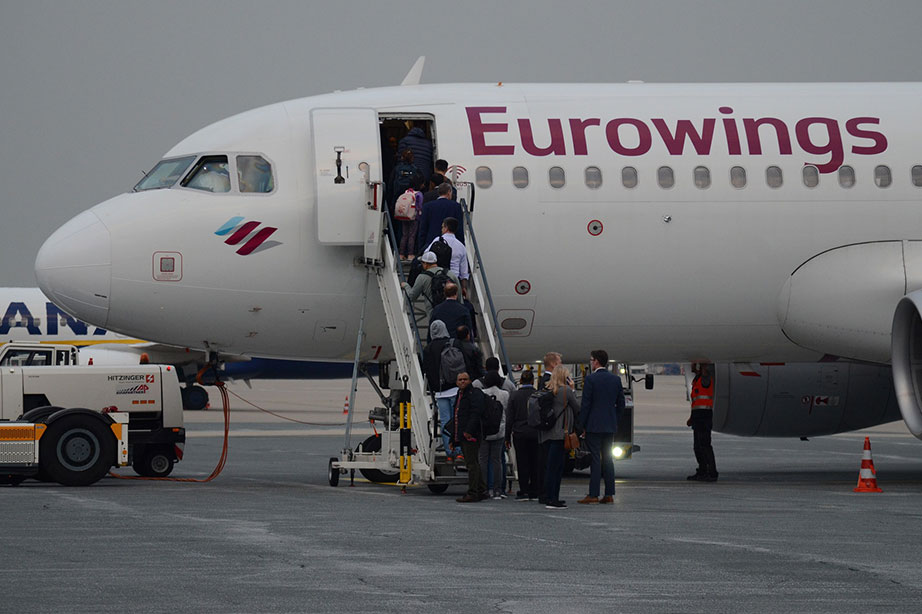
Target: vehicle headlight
x=617 y=452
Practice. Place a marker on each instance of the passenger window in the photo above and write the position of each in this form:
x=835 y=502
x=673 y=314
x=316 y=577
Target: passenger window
x=593 y=177
x=520 y=177
x=917 y=176
x=702 y=177
x=773 y=177
x=665 y=177
x=483 y=177
x=556 y=177
x=210 y=175
x=846 y=176
x=164 y=174
x=629 y=177
x=882 y=176
x=254 y=174
x=738 y=177
x=811 y=176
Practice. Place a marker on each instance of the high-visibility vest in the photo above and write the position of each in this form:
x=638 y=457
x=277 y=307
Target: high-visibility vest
x=702 y=397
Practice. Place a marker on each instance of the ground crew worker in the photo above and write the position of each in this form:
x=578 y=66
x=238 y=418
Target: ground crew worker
x=701 y=421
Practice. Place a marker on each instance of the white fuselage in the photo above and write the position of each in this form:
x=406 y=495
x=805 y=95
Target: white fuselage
x=677 y=273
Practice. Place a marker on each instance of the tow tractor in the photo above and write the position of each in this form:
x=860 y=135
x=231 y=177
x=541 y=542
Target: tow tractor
x=71 y=424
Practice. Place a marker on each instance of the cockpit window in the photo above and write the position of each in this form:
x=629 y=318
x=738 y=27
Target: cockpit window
x=254 y=174
x=210 y=175
x=165 y=174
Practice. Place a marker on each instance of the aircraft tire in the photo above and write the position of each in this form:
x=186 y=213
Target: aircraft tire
x=194 y=398
x=77 y=450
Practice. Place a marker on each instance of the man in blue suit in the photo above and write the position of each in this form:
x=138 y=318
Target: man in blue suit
x=603 y=401
x=434 y=213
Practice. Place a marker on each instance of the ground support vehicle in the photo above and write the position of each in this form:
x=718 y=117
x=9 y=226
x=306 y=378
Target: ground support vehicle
x=71 y=424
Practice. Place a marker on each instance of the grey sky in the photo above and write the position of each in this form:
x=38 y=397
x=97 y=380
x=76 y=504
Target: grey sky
x=94 y=92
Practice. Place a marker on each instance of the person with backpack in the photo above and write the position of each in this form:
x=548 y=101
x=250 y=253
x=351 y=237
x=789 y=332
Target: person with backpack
x=456 y=260
x=467 y=431
x=442 y=362
x=602 y=403
x=407 y=209
x=405 y=176
x=563 y=413
x=421 y=145
x=452 y=312
x=525 y=439
x=428 y=290
x=496 y=399
x=473 y=356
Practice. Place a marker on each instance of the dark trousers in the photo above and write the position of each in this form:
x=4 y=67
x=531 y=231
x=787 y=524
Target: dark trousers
x=601 y=462
x=554 y=472
x=542 y=470
x=476 y=486
x=527 y=458
x=702 y=422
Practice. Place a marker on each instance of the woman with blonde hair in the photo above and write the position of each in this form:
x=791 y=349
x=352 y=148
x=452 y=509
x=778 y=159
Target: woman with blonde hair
x=565 y=409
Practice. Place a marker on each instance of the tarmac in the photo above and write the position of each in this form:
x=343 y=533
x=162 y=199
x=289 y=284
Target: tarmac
x=781 y=530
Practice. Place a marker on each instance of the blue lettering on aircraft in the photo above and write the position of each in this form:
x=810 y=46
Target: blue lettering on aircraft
x=18 y=316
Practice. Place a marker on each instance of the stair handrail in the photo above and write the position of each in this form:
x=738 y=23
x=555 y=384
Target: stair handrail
x=469 y=229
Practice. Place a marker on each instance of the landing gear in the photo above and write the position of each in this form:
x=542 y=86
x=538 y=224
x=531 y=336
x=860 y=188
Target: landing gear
x=194 y=398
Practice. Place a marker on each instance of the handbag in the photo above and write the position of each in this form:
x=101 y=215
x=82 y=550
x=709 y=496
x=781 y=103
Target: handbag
x=570 y=440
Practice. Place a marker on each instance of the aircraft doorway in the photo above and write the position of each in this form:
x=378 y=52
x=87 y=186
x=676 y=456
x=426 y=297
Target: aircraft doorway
x=393 y=128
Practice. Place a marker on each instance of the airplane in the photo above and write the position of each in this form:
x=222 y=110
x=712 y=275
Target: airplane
x=30 y=316
x=770 y=229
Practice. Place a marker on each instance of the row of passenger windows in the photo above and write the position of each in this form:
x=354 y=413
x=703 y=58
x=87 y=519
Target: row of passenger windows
x=701 y=176
x=211 y=173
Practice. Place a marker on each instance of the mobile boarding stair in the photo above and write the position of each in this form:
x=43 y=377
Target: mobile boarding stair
x=407 y=450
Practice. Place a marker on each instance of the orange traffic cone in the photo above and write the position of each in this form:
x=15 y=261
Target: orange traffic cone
x=867 y=475
x=346 y=406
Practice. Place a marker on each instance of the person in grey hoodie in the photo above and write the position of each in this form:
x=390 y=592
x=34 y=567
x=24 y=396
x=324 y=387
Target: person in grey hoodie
x=492 y=448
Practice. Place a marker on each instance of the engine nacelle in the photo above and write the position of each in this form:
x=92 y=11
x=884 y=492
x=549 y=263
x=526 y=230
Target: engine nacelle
x=802 y=399
x=906 y=358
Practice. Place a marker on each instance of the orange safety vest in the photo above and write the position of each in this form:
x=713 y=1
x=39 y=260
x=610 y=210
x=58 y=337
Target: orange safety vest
x=702 y=397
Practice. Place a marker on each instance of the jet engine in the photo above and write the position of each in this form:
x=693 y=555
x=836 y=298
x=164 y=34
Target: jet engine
x=803 y=399
x=906 y=358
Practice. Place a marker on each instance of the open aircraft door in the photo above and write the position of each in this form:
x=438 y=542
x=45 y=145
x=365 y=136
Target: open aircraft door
x=347 y=158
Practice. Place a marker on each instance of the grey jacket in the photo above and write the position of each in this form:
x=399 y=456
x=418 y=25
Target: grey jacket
x=566 y=407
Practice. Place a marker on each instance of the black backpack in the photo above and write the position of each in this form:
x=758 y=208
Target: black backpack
x=492 y=415
x=416 y=267
x=437 y=286
x=541 y=410
x=407 y=176
x=442 y=251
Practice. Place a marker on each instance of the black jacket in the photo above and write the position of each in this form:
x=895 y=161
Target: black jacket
x=468 y=414
x=454 y=314
x=517 y=415
x=432 y=365
x=473 y=359
x=421 y=146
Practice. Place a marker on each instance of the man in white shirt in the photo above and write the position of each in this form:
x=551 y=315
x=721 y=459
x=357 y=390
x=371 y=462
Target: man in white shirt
x=458 y=253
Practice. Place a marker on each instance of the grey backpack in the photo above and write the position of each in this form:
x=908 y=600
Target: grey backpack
x=452 y=363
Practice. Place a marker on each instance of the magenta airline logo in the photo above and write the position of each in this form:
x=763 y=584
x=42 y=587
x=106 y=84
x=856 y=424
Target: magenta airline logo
x=249 y=233
x=821 y=141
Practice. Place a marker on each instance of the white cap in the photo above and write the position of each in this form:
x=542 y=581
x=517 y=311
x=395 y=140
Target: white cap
x=429 y=258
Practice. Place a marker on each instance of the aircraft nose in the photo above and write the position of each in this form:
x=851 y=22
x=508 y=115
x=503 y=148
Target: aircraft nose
x=74 y=265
